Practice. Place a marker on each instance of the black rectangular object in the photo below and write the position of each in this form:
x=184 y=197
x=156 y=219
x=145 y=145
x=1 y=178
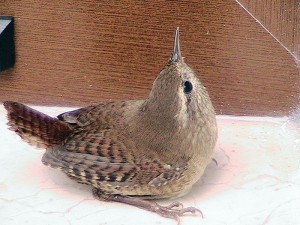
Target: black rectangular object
x=7 y=45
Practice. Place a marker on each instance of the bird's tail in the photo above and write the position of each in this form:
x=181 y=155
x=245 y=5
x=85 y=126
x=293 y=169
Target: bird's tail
x=34 y=127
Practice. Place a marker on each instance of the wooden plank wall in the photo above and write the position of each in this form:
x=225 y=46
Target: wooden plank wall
x=281 y=18
x=76 y=53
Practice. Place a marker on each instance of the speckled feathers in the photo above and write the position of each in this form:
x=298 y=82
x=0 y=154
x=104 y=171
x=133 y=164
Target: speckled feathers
x=153 y=148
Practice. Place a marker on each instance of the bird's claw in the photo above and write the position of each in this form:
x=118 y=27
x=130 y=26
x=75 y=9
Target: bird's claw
x=175 y=210
x=191 y=210
x=175 y=205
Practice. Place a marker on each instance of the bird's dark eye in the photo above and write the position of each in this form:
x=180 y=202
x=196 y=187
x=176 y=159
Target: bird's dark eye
x=188 y=87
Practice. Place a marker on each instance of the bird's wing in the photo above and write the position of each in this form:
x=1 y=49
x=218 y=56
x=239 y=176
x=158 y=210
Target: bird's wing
x=103 y=114
x=75 y=117
x=100 y=156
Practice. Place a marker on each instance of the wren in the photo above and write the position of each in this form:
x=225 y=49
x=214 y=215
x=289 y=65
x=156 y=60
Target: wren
x=136 y=150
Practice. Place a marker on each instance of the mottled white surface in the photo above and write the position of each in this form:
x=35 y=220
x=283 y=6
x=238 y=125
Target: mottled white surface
x=256 y=181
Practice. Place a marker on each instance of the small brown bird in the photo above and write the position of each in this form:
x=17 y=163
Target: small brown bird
x=132 y=151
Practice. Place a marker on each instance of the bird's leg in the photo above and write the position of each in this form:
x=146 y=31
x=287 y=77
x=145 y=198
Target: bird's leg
x=174 y=211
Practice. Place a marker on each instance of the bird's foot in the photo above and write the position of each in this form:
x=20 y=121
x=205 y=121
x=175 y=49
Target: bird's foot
x=173 y=211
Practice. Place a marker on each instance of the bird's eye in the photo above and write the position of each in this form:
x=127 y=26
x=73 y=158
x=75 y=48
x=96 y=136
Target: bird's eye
x=187 y=87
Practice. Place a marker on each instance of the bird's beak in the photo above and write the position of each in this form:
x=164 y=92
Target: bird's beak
x=176 y=56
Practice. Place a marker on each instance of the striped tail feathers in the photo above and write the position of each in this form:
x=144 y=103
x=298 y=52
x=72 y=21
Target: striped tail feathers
x=34 y=127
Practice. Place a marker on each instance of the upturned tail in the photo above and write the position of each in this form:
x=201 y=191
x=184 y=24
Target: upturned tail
x=35 y=127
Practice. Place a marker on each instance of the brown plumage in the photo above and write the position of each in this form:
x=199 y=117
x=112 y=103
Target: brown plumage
x=132 y=150
x=35 y=127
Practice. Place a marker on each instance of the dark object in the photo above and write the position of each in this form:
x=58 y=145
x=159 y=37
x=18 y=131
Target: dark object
x=7 y=45
x=188 y=87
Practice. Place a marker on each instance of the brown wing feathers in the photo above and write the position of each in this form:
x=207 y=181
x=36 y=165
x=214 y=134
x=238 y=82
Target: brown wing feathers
x=89 y=168
x=35 y=127
x=88 y=156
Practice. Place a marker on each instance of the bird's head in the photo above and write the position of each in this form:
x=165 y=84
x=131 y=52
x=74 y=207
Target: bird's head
x=177 y=92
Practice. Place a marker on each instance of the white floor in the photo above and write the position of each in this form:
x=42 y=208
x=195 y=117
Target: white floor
x=256 y=181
